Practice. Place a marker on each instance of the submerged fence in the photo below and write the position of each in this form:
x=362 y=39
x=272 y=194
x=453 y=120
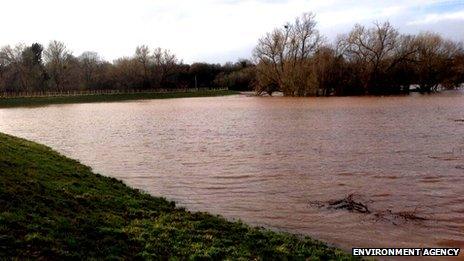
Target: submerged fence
x=100 y=92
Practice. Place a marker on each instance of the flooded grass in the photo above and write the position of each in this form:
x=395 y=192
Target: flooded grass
x=38 y=101
x=262 y=160
x=55 y=208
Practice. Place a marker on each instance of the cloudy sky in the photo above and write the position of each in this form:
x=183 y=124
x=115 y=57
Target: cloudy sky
x=206 y=30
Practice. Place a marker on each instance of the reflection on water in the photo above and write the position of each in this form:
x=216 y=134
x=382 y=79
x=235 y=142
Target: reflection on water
x=264 y=159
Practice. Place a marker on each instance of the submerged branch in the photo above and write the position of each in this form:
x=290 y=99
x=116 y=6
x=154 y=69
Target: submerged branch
x=350 y=204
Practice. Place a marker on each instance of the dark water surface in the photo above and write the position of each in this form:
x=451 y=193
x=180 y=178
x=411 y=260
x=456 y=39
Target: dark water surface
x=264 y=160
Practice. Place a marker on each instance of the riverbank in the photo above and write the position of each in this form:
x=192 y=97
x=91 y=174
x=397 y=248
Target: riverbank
x=54 y=207
x=37 y=101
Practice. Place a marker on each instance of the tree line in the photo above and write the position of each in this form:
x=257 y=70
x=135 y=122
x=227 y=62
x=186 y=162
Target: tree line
x=54 y=68
x=294 y=59
x=297 y=60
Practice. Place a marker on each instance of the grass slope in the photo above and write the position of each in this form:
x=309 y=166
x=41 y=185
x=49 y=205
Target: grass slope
x=37 y=101
x=55 y=208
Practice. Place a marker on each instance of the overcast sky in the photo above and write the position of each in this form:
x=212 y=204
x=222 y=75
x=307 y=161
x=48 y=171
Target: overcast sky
x=206 y=30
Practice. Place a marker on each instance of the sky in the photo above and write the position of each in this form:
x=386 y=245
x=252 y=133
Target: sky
x=205 y=30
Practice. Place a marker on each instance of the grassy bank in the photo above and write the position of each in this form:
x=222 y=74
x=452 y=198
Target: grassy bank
x=52 y=206
x=36 y=101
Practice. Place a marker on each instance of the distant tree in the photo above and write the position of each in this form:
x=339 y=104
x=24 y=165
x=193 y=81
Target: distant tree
x=204 y=74
x=165 y=64
x=372 y=49
x=327 y=71
x=145 y=60
x=34 y=72
x=36 y=50
x=282 y=56
x=457 y=69
x=57 y=59
x=3 y=70
x=294 y=59
x=21 y=68
x=125 y=74
x=89 y=63
x=435 y=60
x=12 y=69
x=238 y=80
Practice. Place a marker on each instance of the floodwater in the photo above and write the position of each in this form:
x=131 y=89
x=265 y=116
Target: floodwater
x=266 y=160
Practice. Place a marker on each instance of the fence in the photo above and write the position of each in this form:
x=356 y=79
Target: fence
x=100 y=92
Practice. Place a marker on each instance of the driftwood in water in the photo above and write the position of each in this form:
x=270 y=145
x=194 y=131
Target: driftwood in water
x=393 y=217
x=408 y=215
x=348 y=203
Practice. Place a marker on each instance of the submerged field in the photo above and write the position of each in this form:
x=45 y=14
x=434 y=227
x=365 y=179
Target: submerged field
x=264 y=160
x=53 y=207
x=36 y=101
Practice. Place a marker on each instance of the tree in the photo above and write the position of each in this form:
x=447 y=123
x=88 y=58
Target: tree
x=21 y=68
x=294 y=59
x=12 y=71
x=327 y=70
x=374 y=50
x=204 y=74
x=165 y=64
x=435 y=60
x=282 y=56
x=33 y=67
x=89 y=63
x=57 y=59
x=238 y=76
x=145 y=60
x=125 y=74
x=457 y=69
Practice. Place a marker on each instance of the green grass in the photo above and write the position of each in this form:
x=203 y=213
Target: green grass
x=55 y=208
x=37 y=101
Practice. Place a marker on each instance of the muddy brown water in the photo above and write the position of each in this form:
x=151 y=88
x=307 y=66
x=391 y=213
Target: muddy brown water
x=263 y=160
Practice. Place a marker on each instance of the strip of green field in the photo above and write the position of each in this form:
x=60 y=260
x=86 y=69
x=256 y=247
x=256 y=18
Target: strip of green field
x=37 y=101
x=52 y=207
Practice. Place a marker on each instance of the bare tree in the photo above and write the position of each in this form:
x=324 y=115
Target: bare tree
x=89 y=63
x=282 y=56
x=165 y=63
x=144 y=58
x=435 y=58
x=21 y=67
x=125 y=74
x=326 y=70
x=294 y=59
x=373 y=48
x=11 y=67
x=57 y=62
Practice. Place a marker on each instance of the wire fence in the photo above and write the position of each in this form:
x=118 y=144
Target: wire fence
x=100 y=92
